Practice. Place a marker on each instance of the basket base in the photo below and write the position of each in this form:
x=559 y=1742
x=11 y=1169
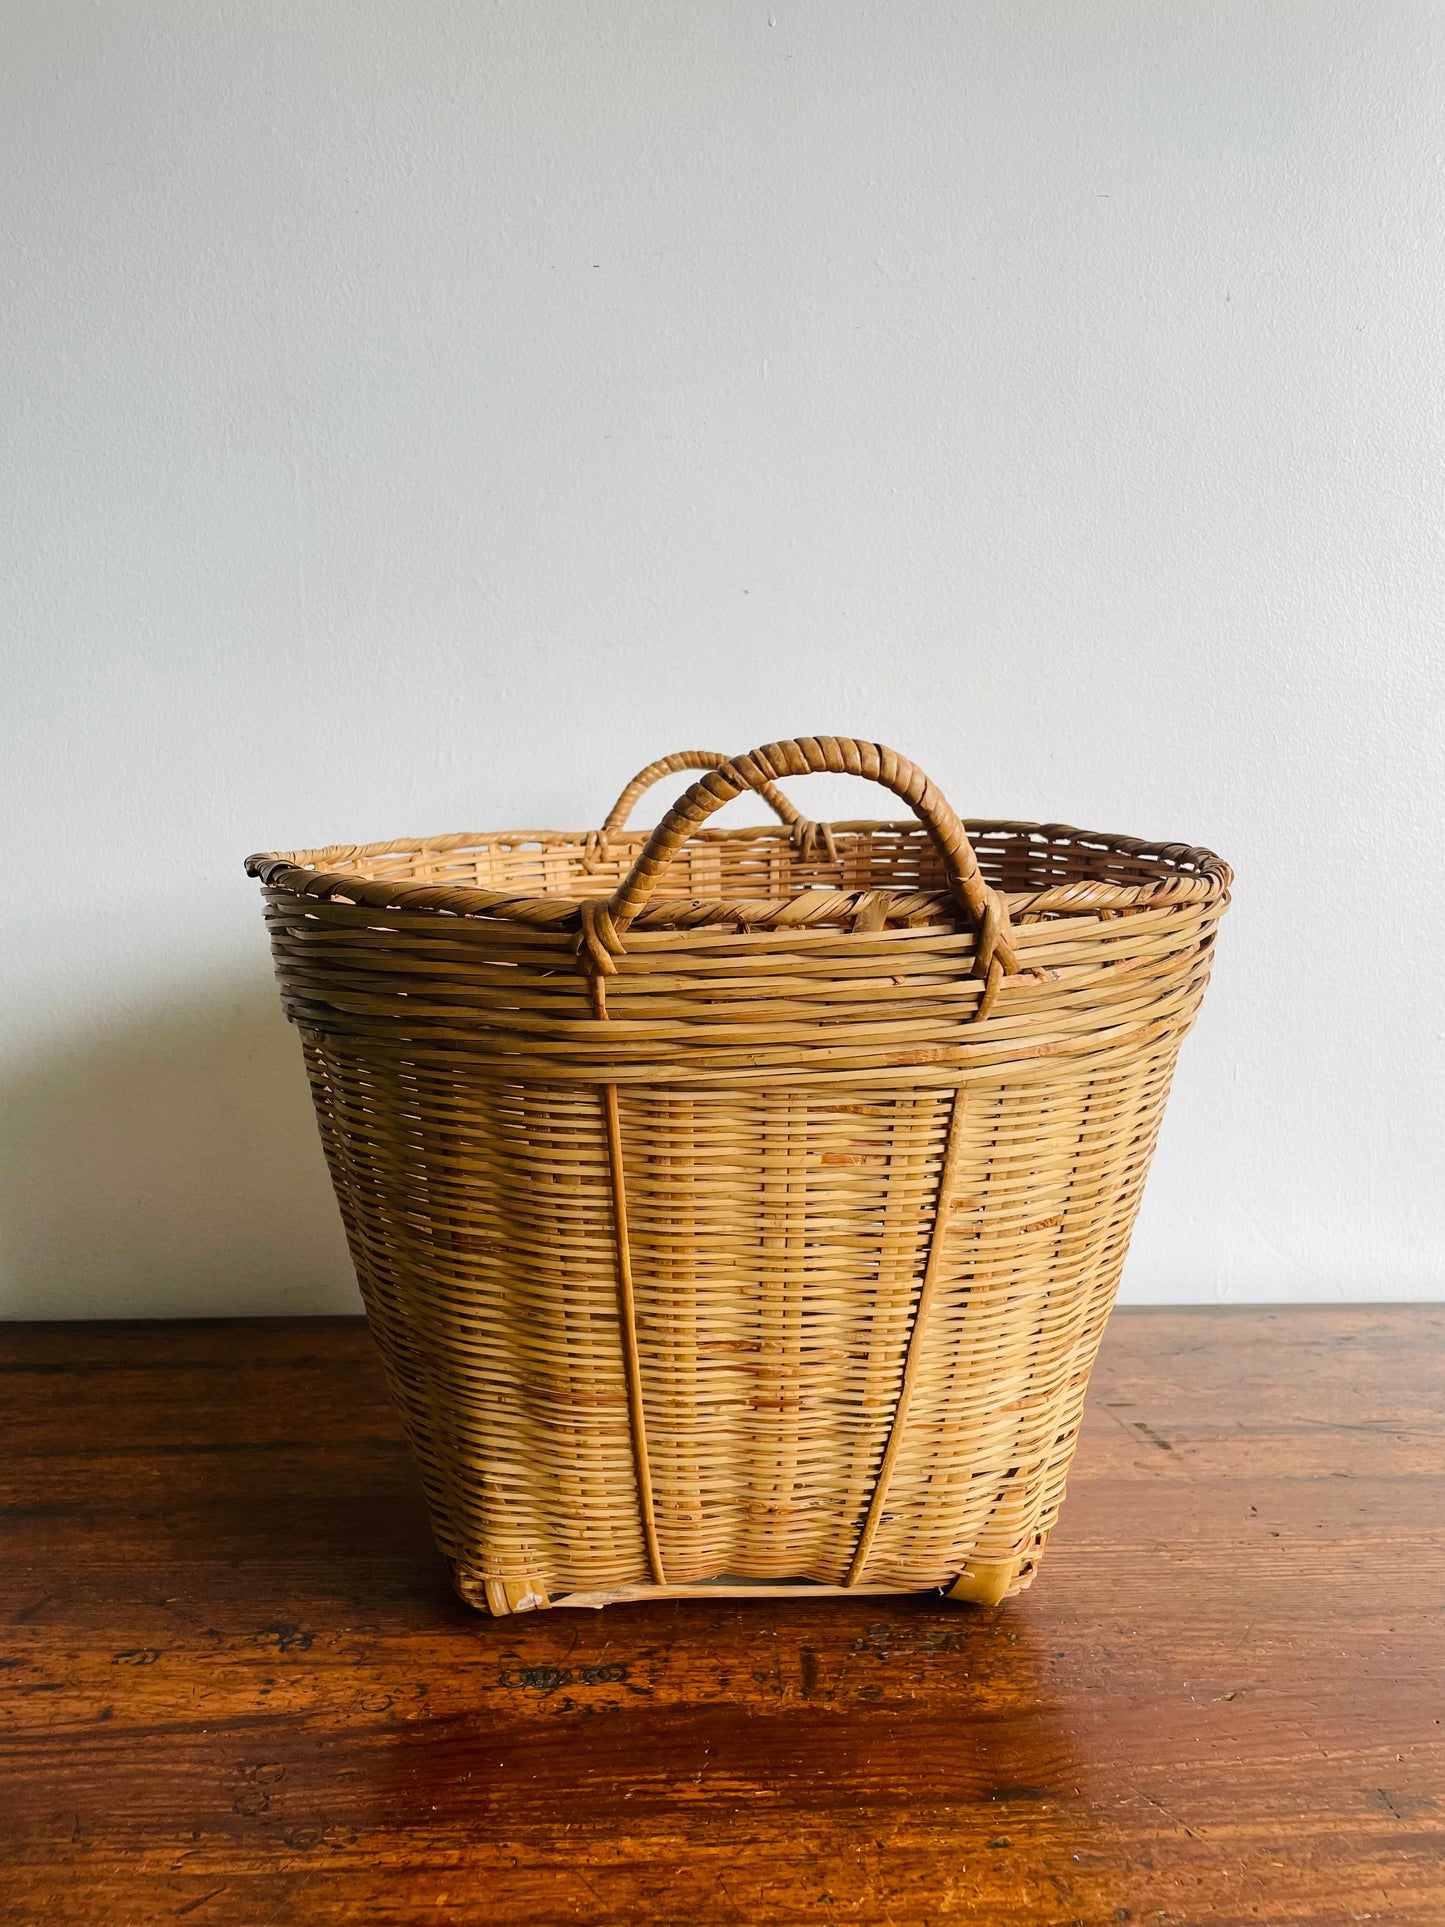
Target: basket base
x=981 y=1583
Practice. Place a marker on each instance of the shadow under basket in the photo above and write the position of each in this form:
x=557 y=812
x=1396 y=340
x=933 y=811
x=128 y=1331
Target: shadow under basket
x=737 y=1211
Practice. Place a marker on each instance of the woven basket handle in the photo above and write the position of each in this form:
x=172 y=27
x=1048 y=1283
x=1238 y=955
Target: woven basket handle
x=692 y=759
x=838 y=756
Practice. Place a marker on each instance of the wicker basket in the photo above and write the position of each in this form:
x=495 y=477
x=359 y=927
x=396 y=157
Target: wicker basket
x=739 y=1210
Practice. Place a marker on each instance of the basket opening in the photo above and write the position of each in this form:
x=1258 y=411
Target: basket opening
x=761 y=863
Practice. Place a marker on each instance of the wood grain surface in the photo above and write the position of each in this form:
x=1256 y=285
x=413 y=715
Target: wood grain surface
x=235 y=1690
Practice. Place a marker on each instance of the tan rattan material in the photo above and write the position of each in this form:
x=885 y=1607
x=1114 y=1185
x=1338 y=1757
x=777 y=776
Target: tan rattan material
x=738 y=1209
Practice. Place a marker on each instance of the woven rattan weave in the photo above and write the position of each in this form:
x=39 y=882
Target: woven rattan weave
x=740 y=1208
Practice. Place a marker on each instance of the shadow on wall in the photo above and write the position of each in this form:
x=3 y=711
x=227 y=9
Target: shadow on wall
x=170 y=1168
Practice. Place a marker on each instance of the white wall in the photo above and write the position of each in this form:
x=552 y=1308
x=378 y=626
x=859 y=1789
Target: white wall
x=420 y=416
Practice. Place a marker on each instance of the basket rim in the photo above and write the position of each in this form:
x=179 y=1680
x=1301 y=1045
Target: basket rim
x=1189 y=875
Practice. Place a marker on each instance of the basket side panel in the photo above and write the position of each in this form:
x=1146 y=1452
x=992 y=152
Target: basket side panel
x=778 y=1240
x=342 y=1095
x=479 y=1219
x=1038 y=1234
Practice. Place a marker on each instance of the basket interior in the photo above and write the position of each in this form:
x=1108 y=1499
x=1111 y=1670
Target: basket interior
x=762 y=863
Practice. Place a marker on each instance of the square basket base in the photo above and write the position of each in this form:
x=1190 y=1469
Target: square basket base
x=983 y=1582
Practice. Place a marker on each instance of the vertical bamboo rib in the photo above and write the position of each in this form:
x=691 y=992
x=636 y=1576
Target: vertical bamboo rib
x=946 y=1179
x=627 y=1318
x=627 y=1304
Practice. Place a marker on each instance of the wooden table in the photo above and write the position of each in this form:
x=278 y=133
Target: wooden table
x=236 y=1689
